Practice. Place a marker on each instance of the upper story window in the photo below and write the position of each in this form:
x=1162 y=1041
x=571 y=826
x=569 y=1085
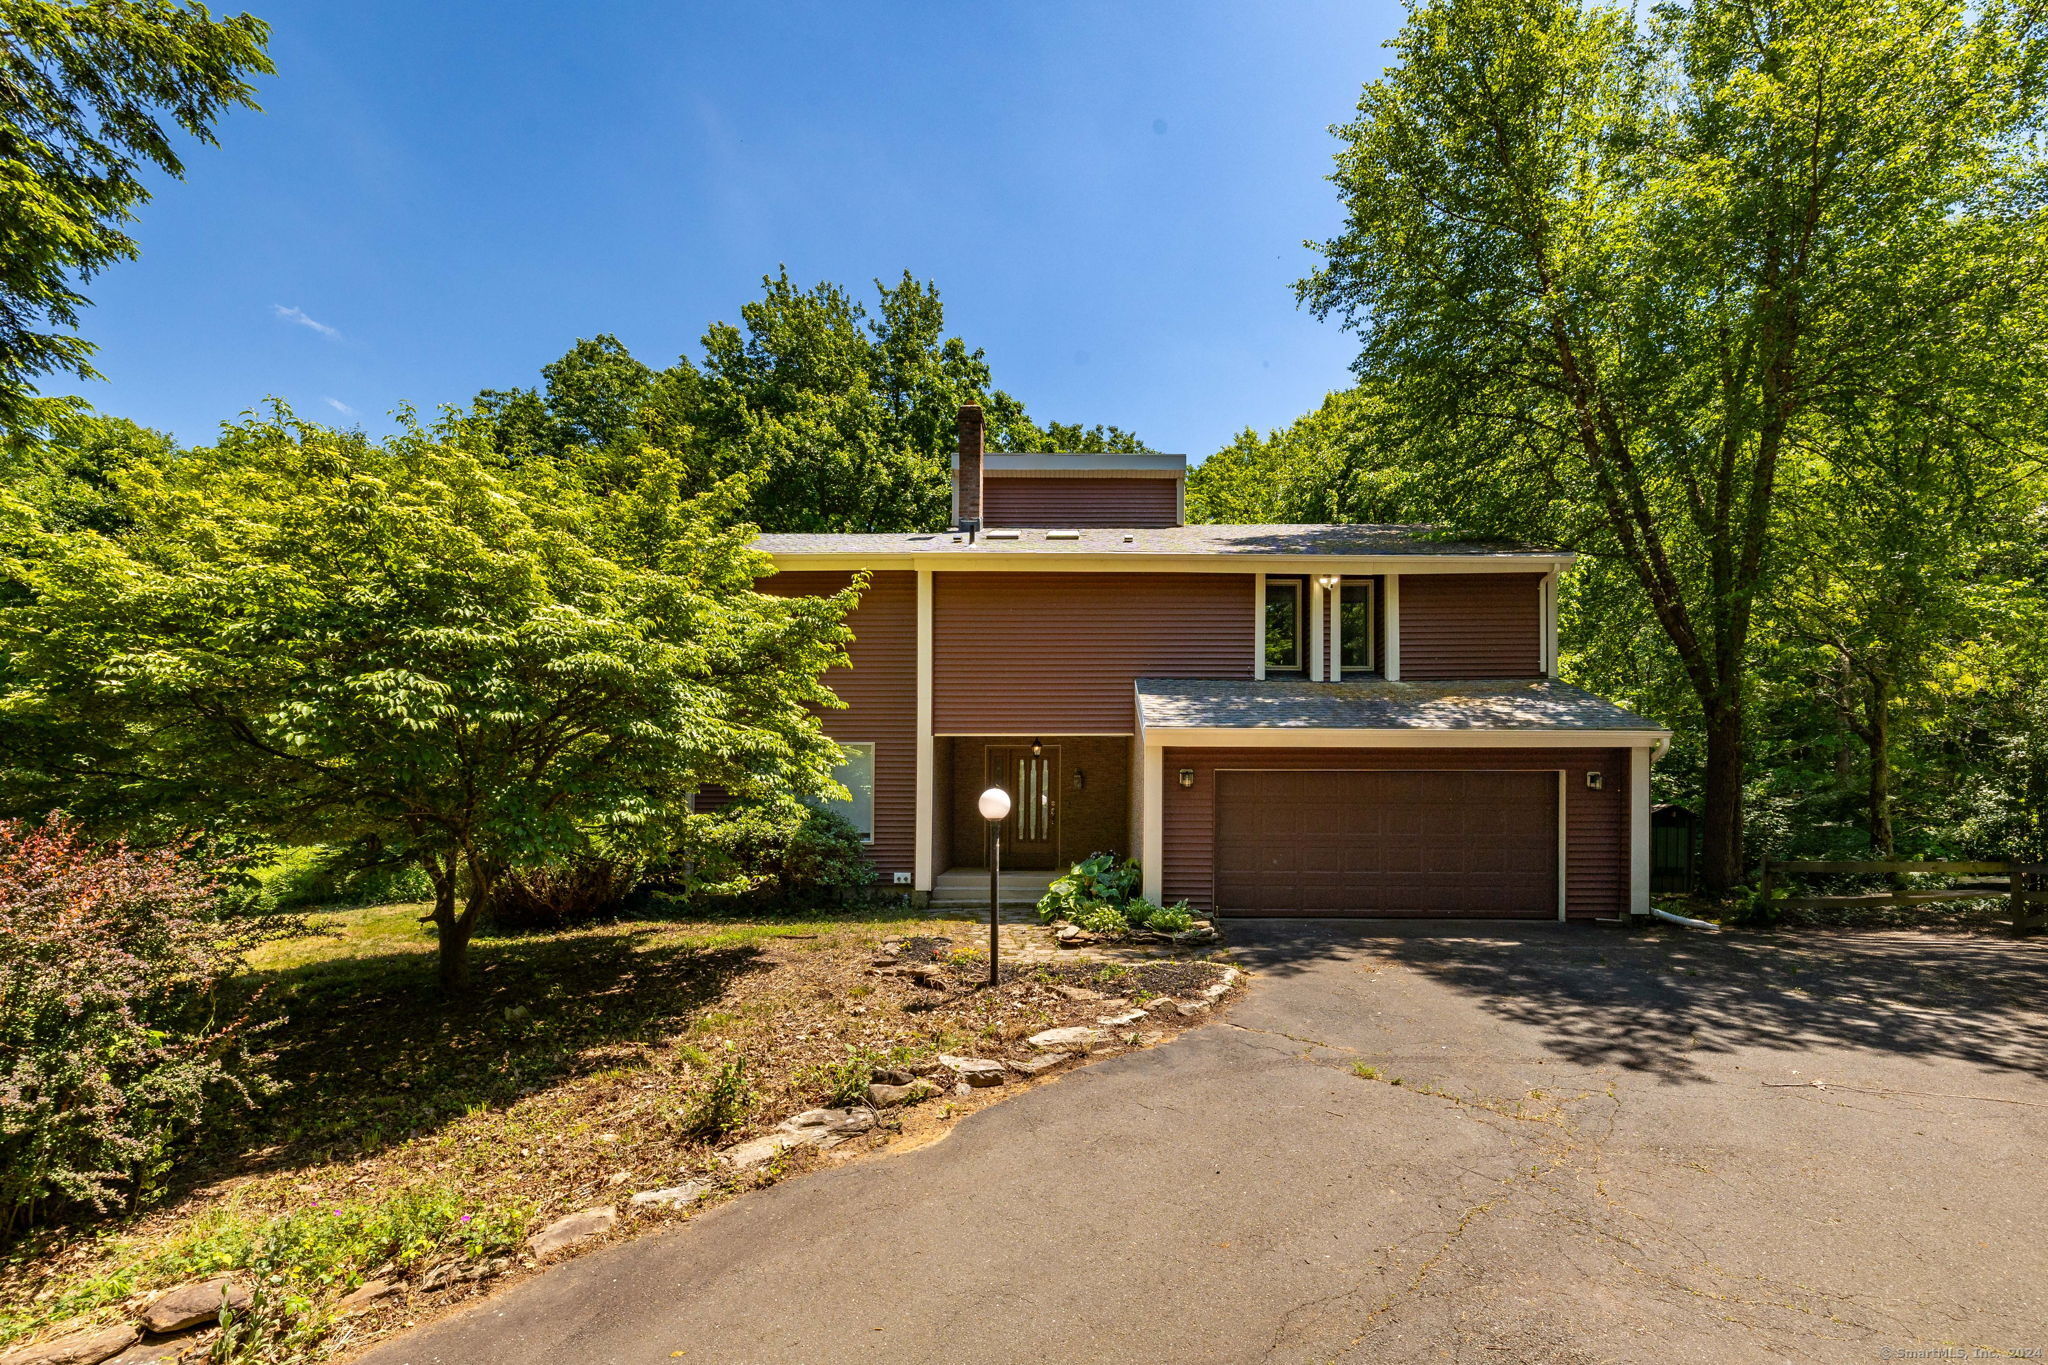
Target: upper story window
x=1283 y=625
x=1354 y=626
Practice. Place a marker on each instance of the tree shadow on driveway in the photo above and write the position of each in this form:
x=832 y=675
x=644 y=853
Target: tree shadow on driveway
x=1663 y=1002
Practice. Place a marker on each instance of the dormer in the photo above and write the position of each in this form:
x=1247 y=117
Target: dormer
x=1133 y=490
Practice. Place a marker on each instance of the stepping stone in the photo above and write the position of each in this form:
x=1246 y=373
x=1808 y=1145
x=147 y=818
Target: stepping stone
x=674 y=1197
x=575 y=1228
x=193 y=1305
x=1080 y=1038
x=89 y=1347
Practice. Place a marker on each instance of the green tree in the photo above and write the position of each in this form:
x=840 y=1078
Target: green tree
x=322 y=640
x=1617 y=272
x=1336 y=464
x=838 y=418
x=92 y=94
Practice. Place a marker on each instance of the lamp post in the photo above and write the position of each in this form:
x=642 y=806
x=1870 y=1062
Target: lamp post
x=995 y=807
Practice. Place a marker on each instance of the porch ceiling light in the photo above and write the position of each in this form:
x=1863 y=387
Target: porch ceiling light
x=994 y=804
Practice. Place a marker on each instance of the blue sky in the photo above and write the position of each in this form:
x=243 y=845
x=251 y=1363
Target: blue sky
x=442 y=196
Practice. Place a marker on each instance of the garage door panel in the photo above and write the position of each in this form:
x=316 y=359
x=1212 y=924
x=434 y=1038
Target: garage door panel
x=1449 y=843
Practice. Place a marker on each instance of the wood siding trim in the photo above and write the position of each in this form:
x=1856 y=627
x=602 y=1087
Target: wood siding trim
x=1597 y=837
x=1059 y=654
x=1078 y=502
x=880 y=692
x=1471 y=626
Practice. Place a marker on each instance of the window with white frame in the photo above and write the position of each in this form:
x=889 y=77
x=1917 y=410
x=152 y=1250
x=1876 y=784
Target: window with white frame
x=857 y=774
x=1354 y=625
x=1283 y=625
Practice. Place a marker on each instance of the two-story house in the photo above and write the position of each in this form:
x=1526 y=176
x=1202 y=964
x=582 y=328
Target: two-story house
x=1276 y=720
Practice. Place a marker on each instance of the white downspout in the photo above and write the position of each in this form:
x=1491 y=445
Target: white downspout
x=923 y=821
x=1392 y=593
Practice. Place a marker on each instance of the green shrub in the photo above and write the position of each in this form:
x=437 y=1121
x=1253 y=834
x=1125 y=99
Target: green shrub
x=724 y=1104
x=314 y=876
x=1101 y=896
x=555 y=897
x=1102 y=879
x=846 y=1081
x=1101 y=918
x=113 y=1050
x=1171 y=919
x=781 y=855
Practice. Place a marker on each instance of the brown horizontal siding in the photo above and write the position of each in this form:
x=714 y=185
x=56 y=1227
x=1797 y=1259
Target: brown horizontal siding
x=1057 y=653
x=1058 y=502
x=1471 y=625
x=1596 y=822
x=880 y=692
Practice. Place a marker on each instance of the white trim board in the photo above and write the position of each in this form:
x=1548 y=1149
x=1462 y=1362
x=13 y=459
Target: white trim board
x=924 y=818
x=984 y=558
x=1390 y=626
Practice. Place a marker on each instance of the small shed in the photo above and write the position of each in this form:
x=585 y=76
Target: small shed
x=1674 y=845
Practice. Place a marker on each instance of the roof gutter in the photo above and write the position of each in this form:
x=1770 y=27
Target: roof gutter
x=988 y=558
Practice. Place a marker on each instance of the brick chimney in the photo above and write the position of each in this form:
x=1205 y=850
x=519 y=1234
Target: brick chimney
x=967 y=479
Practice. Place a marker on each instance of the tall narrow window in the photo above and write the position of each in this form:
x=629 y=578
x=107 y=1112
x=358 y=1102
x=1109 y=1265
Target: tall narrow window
x=857 y=774
x=1283 y=625
x=1354 y=608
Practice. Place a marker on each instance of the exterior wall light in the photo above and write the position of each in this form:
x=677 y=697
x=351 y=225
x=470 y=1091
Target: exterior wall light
x=1036 y=748
x=1596 y=781
x=1080 y=782
x=1187 y=777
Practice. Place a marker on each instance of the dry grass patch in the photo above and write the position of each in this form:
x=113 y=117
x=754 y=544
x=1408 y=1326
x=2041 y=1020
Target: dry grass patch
x=418 y=1137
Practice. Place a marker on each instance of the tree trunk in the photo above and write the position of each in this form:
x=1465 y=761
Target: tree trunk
x=455 y=953
x=457 y=930
x=1721 y=864
x=451 y=930
x=1879 y=739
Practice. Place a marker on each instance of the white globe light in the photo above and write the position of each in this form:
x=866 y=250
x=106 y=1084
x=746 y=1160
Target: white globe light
x=994 y=804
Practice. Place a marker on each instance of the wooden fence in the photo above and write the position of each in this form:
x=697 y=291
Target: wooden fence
x=2029 y=908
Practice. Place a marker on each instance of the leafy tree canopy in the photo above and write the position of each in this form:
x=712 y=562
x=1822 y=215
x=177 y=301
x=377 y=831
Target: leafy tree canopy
x=307 y=635
x=1331 y=465
x=1620 y=275
x=838 y=418
x=92 y=95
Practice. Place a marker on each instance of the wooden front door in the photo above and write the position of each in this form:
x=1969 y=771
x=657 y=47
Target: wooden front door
x=1031 y=835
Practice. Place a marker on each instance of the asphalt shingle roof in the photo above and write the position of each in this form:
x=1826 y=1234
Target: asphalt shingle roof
x=1161 y=540
x=1374 y=704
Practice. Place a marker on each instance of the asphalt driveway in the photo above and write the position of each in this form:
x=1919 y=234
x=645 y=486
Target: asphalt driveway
x=1599 y=1148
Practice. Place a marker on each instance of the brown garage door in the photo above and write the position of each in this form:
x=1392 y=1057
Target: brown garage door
x=1387 y=843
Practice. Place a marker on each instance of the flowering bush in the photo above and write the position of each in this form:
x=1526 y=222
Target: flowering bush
x=111 y=963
